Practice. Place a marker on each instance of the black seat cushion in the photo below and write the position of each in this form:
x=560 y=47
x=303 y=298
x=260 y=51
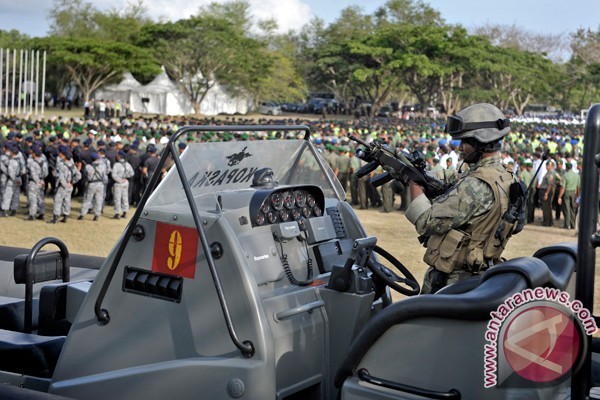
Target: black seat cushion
x=496 y=285
x=561 y=260
x=29 y=354
x=12 y=314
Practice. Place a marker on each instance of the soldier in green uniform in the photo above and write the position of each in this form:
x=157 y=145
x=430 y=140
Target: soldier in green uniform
x=464 y=221
x=546 y=193
x=567 y=196
x=560 y=171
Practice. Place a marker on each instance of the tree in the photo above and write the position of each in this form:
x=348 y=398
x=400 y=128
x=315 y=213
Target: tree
x=553 y=46
x=202 y=51
x=80 y=19
x=94 y=63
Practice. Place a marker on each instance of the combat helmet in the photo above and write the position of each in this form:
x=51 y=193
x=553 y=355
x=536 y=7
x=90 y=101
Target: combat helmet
x=483 y=122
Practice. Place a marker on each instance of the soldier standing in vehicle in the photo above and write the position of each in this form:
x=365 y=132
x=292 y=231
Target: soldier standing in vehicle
x=462 y=227
x=67 y=175
x=121 y=172
x=94 y=194
x=38 y=170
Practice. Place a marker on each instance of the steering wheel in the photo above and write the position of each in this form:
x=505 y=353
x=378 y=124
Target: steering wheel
x=383 y=276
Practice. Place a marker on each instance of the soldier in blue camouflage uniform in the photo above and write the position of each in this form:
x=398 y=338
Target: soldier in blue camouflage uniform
x=121 y=172
x=13 y=180
x=460 y=225
x=4 y=157
x=96 y=175
x=66 y=175
x=37 y=169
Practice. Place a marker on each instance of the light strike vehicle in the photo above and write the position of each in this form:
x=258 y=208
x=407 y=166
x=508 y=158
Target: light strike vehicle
x=245 y=274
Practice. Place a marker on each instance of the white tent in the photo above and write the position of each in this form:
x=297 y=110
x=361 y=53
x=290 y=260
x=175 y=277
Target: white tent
x=121 y=91
x=163 y=96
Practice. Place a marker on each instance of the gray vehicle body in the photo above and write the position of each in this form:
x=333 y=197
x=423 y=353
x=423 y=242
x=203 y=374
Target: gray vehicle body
x=195 y=300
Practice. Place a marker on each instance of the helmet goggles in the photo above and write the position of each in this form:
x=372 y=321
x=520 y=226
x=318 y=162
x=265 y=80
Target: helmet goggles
x=456 y=125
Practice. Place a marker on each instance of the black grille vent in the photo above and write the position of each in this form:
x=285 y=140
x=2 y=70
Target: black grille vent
x=338 y=225
x=152 y=284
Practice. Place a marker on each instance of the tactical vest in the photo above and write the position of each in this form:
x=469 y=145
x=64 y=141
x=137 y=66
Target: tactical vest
x=481 y=241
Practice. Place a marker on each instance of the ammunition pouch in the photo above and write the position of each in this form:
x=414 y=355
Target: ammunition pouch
x=448 y=251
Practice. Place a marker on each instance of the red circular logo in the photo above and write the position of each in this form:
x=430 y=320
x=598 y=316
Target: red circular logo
x=541 y=344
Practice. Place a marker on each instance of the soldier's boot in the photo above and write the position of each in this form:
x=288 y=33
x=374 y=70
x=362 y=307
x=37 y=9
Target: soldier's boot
x=12 y=213
x=30 y=218
x=80 y=218
x=95 y=218
x=117 y=216
x=53 y=220
x=41 y=217
x=124 y=215
x=3 y=214
x=64 y=219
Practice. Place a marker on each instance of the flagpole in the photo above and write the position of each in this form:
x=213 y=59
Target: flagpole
x=44 y=83
x=20 y=81
x=37 y=81
x=12 y=103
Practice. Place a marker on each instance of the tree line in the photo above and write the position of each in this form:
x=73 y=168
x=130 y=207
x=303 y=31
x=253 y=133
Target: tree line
x=402 y=52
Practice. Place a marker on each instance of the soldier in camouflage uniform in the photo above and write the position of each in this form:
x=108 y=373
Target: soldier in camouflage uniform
x=37 y=168
x=121 y=172
x=460 y=226
x=96 y=175
x=4 y=157
x=13 y=180
x=14 y=204
x=67 y=175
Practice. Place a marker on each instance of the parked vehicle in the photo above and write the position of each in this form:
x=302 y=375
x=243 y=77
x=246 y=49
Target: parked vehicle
x=269 y=108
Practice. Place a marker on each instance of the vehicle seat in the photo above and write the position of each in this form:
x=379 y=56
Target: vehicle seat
x=421 y=341
x=561 y=260
x=29 y=354
x=12 y=313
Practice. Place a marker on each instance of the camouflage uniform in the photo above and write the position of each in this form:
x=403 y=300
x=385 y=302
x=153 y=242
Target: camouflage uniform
x=121 y=172
x=469 y=199
x=67 y=174
x=14 y=204
x=3 y=173
x=38 y=170
x=13 y=182
x=96 y=175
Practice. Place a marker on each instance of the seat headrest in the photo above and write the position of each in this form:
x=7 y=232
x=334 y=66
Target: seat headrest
x=534 y=270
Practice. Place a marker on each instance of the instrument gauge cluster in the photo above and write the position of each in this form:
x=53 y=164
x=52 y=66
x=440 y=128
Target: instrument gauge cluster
x=272 y=206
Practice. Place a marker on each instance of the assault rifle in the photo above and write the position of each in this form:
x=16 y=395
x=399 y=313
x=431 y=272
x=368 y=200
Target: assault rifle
x=399 y=166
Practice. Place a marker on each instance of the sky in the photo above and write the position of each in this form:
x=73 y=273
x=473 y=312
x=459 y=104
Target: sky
x=540 y=16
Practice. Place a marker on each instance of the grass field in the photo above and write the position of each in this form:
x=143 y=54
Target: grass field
x=393 y=231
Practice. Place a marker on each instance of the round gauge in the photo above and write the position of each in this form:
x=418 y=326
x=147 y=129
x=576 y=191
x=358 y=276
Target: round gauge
x=310 y=200
x=264 y=208
x=300 y=198
x=296 y=214
x=317 y=211
x=259 y=219
x=288 y=199
x=306 y=211
x=272 y=216
x=284 y=215
x=277 y=201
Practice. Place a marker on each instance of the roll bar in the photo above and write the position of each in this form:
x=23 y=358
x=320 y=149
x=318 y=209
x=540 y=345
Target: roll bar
x=587 y=242
x=102 y=315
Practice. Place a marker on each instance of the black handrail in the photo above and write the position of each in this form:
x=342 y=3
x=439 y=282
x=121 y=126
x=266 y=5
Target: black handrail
x=451 y=394
x=29 y=275
x=102 y=315
x=586 y=243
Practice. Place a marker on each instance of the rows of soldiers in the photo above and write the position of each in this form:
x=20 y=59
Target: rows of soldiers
x=135 y=142
x=62 y=168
